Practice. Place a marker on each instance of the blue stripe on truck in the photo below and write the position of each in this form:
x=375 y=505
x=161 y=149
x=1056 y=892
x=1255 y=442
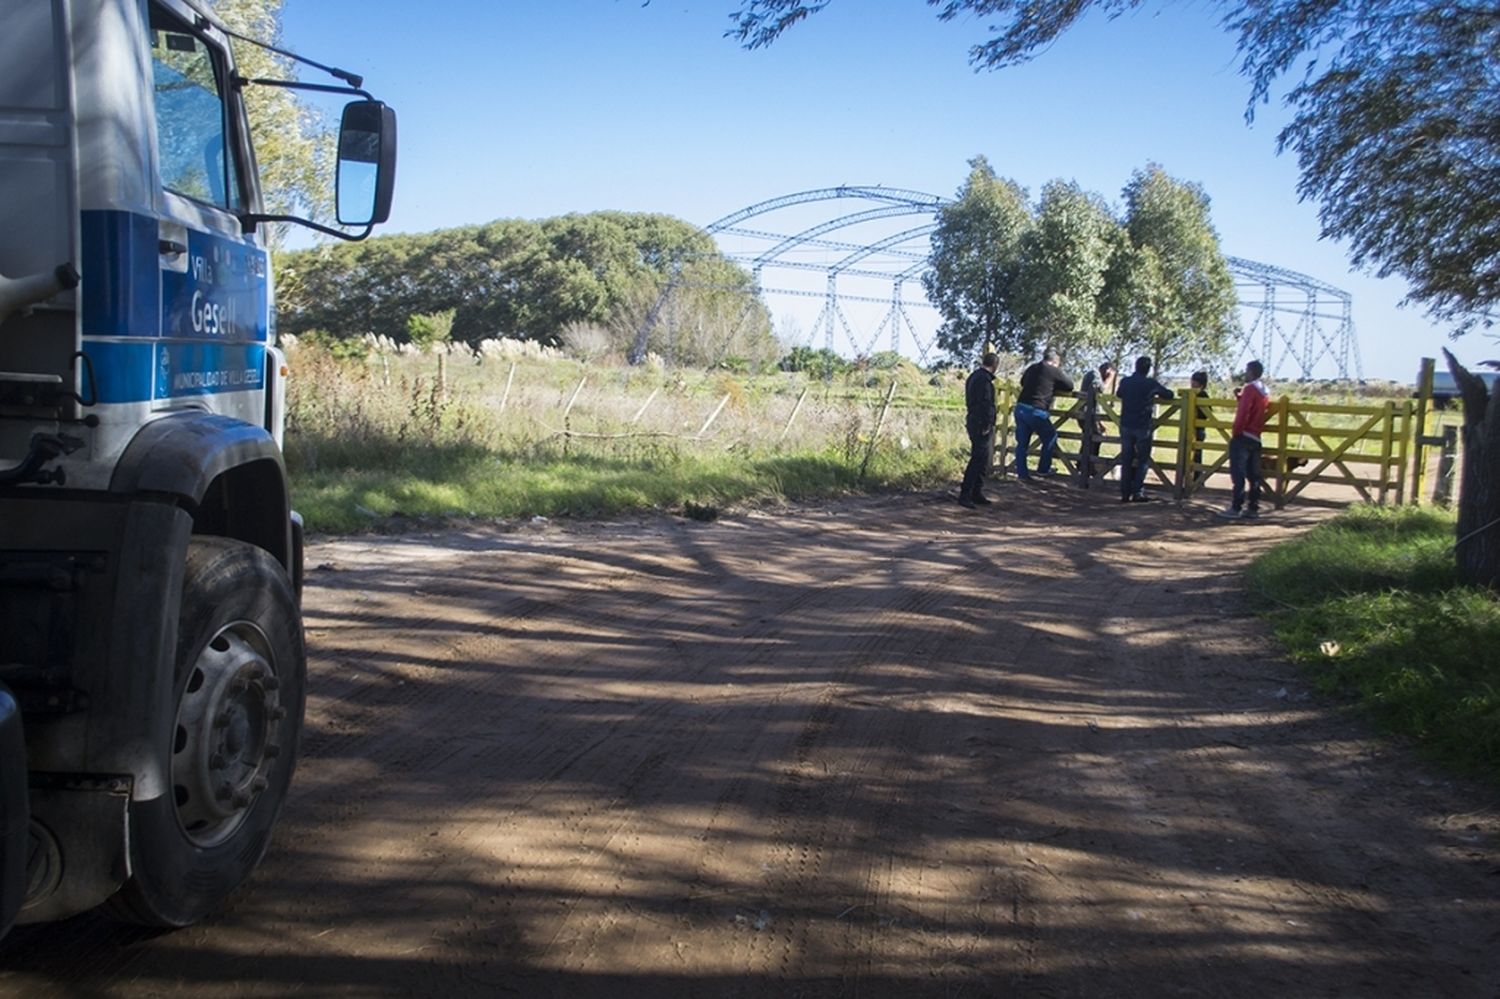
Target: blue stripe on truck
x=121 y=293
x=148 y=370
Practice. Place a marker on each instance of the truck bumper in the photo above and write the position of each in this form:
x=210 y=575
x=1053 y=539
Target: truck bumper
x=15 y=816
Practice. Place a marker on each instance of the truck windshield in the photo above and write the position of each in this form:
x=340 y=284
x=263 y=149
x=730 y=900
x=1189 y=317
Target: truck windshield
x=192 y=137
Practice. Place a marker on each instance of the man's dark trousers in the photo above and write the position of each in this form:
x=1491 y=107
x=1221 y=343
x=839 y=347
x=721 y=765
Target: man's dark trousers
x=1244 y=471
x=979 y=463
x=1135 y=457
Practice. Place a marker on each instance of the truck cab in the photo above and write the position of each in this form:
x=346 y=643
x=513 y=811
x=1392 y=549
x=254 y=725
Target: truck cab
x=151 y=653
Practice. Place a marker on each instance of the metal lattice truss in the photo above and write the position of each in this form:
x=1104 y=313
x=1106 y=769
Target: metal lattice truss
x=1272 y=292
x=871 y=261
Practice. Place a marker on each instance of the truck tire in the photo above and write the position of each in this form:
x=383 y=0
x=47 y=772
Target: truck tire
x=238 y=686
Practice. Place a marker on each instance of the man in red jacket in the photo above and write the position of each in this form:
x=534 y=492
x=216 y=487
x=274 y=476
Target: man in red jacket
x=1244 y=444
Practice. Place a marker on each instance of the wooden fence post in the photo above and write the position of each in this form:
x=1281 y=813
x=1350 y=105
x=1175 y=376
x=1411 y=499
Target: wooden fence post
x=1442 y=489
x=1421 y=442
x=1187 y=424
x=795 y=410
x=1000 y=444
x=642 y=411
x=567 y=426
x=712 y=417
x=1387 y=421
x=508 y=379
x=879 y=422
x=1403 y=447
x=574 y=397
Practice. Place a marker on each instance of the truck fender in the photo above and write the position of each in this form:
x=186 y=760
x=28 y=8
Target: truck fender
x=229 y=474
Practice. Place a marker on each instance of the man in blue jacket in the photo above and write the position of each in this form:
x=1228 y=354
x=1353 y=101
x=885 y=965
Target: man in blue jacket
x=1138 y=394
x=979 y=420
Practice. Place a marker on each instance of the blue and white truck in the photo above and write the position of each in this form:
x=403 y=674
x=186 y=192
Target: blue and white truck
x=151 y=652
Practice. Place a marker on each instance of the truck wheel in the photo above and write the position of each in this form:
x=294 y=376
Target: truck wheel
x=238 y=684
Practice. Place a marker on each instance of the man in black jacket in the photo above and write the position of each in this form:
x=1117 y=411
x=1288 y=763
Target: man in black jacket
x=1138 y=394
x=979 y=420
x=1039 y=383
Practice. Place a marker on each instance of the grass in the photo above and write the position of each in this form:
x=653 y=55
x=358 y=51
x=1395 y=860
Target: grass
x=1369 y=603
x=371 y=441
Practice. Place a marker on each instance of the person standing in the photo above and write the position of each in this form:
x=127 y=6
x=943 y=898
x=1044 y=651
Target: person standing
x=1199 y=383
x=1099 y=383
x=979 y=421
x=1138 y=393
x=1244 y=444
x=1039 y=383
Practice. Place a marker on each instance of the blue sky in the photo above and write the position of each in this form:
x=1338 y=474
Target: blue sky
x=531 y=108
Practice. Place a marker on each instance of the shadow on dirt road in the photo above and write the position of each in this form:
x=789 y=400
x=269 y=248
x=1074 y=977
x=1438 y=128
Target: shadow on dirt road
x=882 y=747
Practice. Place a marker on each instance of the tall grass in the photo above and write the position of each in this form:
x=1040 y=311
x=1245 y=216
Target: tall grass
x=375 y=438
x=1370 y=603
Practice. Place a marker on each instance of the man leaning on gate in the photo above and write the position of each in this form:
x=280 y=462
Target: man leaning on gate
x=1138 y=393
x=1039 y=383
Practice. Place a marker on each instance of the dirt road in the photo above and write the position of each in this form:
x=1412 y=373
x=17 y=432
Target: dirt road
x=886 y=747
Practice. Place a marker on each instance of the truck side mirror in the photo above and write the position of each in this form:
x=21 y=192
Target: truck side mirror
x=367 y=163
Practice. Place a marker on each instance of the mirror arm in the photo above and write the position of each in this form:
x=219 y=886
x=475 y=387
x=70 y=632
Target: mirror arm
x=353 y=79
x=251 y=220
x=240 y=82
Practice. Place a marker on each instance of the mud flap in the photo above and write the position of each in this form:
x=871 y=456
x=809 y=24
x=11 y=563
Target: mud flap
x=84 y=826
x=14 y=811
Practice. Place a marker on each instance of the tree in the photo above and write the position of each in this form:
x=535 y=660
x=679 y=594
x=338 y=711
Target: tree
x=1173 y=296
x=294 y=142
x=976 y=264
x=527 y=279
x=1399 y=142
x=430 y=329
x=1065 y=255
x=1478 y=547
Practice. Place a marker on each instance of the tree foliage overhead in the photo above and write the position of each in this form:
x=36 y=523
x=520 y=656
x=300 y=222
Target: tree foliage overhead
x=517 y=278
x=1399 y=142
x=1394 y=125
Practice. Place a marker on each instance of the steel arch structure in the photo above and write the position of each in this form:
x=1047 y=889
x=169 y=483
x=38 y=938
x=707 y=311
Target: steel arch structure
x=1292 y=322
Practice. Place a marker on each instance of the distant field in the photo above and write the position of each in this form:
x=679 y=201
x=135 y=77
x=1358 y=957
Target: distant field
x=402 y=436
x=520 y=432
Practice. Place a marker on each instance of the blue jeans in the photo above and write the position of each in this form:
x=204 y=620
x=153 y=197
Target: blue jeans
x=1135 y=456
x=1244 y=469
x=1032 y=421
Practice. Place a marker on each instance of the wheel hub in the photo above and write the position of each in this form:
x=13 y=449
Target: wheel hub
x=225 y=737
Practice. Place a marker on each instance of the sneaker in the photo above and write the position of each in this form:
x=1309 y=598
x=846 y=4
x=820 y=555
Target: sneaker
x=1024 y=476
x=1139 y=497
x=1252 y=514
x=966 y=503
x=1232 y=513
x=982 y=499
x=1125 y=498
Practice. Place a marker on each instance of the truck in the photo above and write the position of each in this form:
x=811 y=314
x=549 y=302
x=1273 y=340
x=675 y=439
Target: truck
x=152 y=665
